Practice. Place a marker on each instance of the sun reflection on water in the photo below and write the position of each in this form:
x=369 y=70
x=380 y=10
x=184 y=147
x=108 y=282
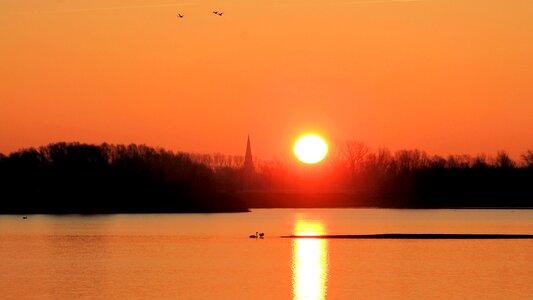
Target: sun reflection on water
x=309 y=262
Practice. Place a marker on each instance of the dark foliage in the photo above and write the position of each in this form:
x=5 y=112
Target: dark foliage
x=78 y=178
x=358 y=177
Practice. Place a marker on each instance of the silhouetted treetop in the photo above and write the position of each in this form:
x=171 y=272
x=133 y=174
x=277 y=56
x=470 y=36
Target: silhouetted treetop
x=527 y=159
x=74 y=177
x=81 y=178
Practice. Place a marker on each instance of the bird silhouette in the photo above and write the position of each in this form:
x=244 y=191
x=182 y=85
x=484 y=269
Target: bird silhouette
x=180 y=16
x=215 y=12
x=220 y=14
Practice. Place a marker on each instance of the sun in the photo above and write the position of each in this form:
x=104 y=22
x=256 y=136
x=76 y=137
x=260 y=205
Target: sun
x=310 y=149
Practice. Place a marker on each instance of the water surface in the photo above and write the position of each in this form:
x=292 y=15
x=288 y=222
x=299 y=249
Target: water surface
x=209 y=256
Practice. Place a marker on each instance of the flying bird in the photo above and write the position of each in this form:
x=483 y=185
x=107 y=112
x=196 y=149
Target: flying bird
x=180 y=16
x=215 y=12
x=220 y=13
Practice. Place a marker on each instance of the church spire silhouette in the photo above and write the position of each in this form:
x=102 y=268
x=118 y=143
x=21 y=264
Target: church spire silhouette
x=248 y=162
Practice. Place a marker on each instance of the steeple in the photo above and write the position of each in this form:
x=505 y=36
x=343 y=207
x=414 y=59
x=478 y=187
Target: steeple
x=248 y=162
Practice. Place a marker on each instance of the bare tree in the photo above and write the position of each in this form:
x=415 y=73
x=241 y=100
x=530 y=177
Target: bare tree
x=380 y=162
x=459 y=161
x=504 y=161
x=354 y=154
x=480 y=161
x=408 y=160
x=527 y=159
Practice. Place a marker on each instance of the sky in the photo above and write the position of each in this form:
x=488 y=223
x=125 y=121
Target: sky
x=443 y=76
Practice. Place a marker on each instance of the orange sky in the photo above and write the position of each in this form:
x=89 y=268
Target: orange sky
x=444 y=76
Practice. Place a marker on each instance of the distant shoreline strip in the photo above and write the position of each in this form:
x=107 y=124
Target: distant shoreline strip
x=416 y=236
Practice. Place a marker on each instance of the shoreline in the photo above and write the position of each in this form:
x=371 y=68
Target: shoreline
x=415 y=236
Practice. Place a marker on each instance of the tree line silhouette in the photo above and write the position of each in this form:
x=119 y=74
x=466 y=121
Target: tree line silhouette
x=78 y=178
x=412 y=178
x=356 y=176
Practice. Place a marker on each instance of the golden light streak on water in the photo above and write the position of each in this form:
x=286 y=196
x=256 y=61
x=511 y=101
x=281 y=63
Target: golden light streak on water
x=310 y=262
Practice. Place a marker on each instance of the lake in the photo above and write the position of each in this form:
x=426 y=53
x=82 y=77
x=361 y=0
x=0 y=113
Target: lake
x=210 y=256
